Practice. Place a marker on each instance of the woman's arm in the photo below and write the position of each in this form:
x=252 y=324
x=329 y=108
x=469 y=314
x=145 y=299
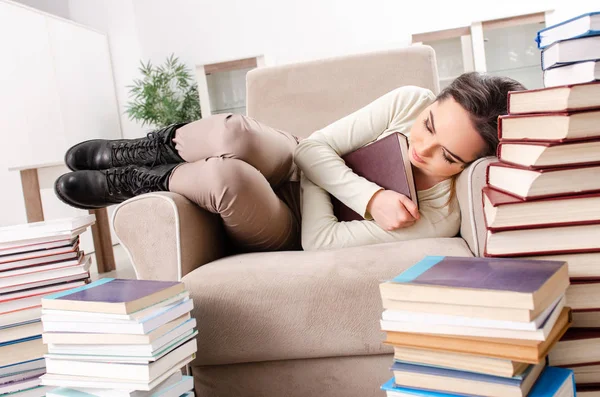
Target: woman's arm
x=321 y=230
x=319 y=156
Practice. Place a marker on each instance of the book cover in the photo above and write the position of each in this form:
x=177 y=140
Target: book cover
x=114 y=295
x=456 y=374
x=560 y=99
x=44 y=229
x=580 y=26
x=384 y=163
x=581 y=115
x=588 y=189
x=497 y=198
x=566 y=52
x=548 y=384
x=514 y=275
x=589 y=145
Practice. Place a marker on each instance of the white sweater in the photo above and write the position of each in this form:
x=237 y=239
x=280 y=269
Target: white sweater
x=323 y=171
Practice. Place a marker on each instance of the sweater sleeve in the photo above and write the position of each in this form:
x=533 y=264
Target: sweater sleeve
x=321 y=230
x=319 y=156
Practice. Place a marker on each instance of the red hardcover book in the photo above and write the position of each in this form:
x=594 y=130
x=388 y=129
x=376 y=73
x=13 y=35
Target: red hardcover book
x=550 y=127
x=528 y=184
x=503 y=211
x=577 y=347
x=539 y=155
x=384 y=162
x=555 y=99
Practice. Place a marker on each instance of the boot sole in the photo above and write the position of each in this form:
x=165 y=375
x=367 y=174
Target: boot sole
x=69 y=203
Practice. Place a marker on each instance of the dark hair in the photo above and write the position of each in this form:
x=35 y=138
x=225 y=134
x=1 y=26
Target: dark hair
x=485 y=98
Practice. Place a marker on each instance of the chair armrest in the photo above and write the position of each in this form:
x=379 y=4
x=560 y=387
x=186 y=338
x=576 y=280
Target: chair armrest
x=468 y=190
x=167 y=236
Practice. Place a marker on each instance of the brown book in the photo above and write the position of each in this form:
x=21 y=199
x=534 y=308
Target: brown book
x=505 y=212
x=578 y=346
x=384 y=162
x=550 y=127
x=538 y=155
x=525 y=351
x=543 y=241
x=555 y=99
x=584 y=295
x=460 y=361
x=587 y=375
x=585 y=266
x=586 y=319
x=529 y=184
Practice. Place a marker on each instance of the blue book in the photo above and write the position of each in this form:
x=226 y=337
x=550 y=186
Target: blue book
x=581 y=26
x=552 y=381
x=462 y=382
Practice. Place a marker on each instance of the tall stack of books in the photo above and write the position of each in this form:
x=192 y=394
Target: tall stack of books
x=476 y=326
x=119 y=338
x=543 y=196
x=36 y=259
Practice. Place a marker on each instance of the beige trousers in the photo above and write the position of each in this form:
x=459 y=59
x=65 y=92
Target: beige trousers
x=242 y=170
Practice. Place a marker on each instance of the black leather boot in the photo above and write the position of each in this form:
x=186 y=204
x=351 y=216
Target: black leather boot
x=101 y=154
x=92 y=189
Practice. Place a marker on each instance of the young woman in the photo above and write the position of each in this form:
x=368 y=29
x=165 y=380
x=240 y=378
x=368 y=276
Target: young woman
x=246 y=172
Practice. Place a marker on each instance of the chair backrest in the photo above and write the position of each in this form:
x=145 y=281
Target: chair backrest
x=304 y=97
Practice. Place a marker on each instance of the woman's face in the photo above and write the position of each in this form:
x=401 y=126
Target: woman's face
x=443 y=140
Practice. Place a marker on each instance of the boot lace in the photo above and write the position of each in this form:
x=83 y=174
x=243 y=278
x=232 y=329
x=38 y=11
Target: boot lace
x=149 y=151
x=131 y=180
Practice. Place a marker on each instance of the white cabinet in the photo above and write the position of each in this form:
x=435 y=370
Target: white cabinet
x=500 y=47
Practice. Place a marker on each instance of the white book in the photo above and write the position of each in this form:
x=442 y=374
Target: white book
x=174 y=386
x=19 y=260
x=31 y=298
x=186 y=328
x=121 y=326
x=442 y=329
x=441 y=319
x=15 y=353
x=50 y=279
x=103 y=339
x=123 y=357
x=117 y=371
x=47 y=272
x=569 y=51
x=75 y=381
x=20 y=332
x=44 y=229
x=140 y=315
x=19 y=385
x=22 y=316
x=22 y=375
x=61 y=242
x=23 y=367
x=575 y=27
x=24 y=244
x=576 y=73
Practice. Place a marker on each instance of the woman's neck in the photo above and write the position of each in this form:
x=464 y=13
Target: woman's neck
x=424 y=181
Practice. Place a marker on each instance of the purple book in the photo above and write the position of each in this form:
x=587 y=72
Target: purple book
x=515 y=275
x=118 y=296
x=489 y=282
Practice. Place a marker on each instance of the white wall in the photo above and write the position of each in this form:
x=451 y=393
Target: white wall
x=57 y=7
x=284 y=31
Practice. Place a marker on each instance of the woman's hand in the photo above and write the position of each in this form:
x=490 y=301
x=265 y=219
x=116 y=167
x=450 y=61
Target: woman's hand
x=392 y=210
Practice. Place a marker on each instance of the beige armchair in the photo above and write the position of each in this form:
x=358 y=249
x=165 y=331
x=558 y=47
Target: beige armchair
x=293 y=323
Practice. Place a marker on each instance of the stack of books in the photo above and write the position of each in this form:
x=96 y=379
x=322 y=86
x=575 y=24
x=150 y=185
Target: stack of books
x=476 y=326
x=543 y=196
x=571 y=51
x=36 y=259
x=119 y=338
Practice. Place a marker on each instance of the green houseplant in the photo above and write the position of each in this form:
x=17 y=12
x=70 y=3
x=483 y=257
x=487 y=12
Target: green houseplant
x=164 y=95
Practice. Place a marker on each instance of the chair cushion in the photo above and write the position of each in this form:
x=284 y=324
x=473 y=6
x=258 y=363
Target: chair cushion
x=292 y=305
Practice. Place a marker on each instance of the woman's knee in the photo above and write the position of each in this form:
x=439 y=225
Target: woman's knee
x=229 y=176
x=235 y=137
